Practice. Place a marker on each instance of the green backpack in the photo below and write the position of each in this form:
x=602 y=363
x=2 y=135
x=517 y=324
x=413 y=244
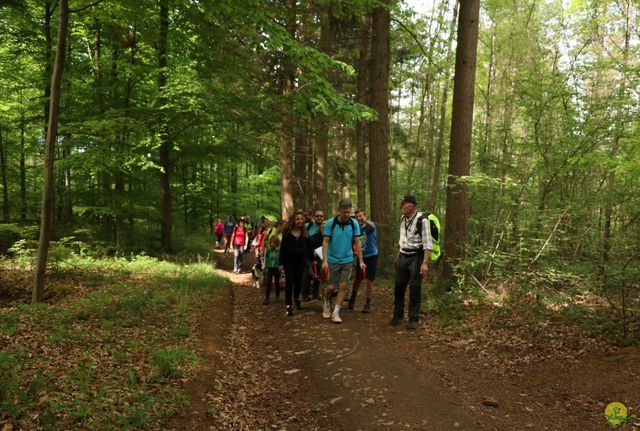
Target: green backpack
x=434 y=227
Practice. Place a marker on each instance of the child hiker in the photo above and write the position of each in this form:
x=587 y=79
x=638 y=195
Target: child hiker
x=272 y=272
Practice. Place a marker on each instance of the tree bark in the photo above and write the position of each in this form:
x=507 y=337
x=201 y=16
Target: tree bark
x=300 y=169
x=618 y=133
x=286 y=140
x=52 y=132
x=3 y=172
x=461 y=128
x=362 y=127
x=435 y=185
x=166 y=223
x=23 y=170
x=379 y=130
x=322 y=122
x=48 y=41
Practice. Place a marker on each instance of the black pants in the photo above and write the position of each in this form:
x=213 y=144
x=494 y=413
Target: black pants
x=310 y=285
x=408 y=273
x=271 y=275
x=293 y=281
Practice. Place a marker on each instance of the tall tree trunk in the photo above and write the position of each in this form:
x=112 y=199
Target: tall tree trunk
x=362 y=127
x=322 y=122
x=3 y=172
x=49 y=152
x=23 y=169
x=461 y=127
x=379 y=130
x=435 y=185
x=420 y=128
x=48 y=41
x=286 y=140
x=300 y=170
x=618 y=132
x=166 y=223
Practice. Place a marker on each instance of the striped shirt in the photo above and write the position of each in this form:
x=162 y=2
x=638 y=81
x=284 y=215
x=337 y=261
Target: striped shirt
x=410 y=240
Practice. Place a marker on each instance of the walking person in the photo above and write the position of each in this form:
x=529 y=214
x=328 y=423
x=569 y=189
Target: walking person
x=411 y=262
x=250 y=232
x=272 y=272
x=295 y=249
x=341 y=234
x=310 y=284
x=370 y=258
x=239 y=239
x=228 y=231
x=218 y=229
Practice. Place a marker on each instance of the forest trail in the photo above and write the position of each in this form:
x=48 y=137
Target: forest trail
x=266 y=371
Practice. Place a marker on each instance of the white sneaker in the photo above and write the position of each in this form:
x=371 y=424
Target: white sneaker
x=335 y=318
x=326 y=311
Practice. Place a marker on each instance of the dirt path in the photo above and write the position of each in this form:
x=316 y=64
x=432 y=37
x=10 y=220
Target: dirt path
x=274 y=372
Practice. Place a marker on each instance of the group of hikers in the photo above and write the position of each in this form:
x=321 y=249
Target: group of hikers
x=335 y=254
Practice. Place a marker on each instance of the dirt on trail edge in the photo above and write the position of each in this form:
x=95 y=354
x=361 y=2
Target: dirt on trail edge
x=263 y=370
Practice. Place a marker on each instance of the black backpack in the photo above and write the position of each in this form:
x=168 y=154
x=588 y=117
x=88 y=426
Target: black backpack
x=352 y=221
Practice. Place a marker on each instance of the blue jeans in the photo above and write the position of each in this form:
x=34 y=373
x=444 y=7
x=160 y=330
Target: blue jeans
x=237 y=256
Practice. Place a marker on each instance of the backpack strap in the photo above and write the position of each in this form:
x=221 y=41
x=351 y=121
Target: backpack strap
x=352 y=222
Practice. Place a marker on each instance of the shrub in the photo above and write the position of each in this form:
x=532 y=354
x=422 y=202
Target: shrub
x=9 y=235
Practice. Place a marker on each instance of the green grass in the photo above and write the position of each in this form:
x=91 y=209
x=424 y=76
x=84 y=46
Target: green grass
x=448 y=307
x=112 y=352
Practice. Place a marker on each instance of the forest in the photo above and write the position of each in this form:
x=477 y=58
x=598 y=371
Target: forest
x=127 y=128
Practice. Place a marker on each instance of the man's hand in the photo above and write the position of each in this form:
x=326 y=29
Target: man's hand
x=424 y=268
x=281 y=268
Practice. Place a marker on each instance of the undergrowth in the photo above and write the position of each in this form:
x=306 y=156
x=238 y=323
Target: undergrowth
x=108 y=355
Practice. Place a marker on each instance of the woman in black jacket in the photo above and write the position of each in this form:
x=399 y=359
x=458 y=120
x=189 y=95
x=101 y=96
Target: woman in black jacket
x=294 y=249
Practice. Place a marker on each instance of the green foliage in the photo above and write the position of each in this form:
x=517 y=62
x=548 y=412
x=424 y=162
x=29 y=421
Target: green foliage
x=9 y=234
x=14 y=401
x=131 y=324
x=447 y=307
x=168 y=362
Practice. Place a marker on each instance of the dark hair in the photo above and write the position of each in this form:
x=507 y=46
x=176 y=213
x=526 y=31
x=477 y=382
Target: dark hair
x=345 y=203
x=291 y=222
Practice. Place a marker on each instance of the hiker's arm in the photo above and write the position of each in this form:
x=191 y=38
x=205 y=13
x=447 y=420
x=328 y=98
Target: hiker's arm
x=424 y=267
x=395 y=259
x=359 y=250
x=283 y=252
x=325 y=249
x=427 y=243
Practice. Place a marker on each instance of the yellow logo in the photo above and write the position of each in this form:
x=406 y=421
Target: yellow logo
x=616 y=414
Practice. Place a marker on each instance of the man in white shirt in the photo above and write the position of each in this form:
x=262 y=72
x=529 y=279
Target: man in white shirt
x=411 y=262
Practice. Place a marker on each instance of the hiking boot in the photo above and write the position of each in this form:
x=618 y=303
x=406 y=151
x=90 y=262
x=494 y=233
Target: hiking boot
x=367 y=307
x=306 y=298
x=326 y=310
x=412 y=325
x=289 y=311
x=265 y=301
x=395 y=321
x=298 y=305
x=335 y=318
x=351 y=303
